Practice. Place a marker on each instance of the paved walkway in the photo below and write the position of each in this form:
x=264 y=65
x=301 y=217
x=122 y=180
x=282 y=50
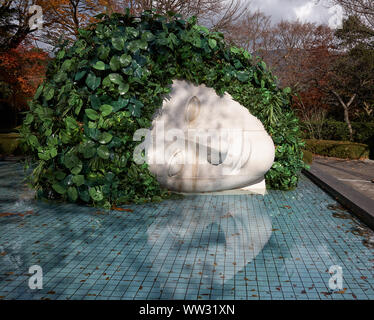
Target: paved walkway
x=278 y=246
x=349 y=182
x=355 y=173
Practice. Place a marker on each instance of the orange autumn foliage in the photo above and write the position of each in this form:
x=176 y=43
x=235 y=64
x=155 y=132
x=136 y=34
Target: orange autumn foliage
x=22 y=70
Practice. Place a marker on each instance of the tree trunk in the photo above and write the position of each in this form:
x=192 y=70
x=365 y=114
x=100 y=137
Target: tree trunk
x=346 y=112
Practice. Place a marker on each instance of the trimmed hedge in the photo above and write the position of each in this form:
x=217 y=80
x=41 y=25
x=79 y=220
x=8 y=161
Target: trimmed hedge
x=9 y=143
x=110 y=82
x=307 y=157
x=363 y=132
x=338 y=149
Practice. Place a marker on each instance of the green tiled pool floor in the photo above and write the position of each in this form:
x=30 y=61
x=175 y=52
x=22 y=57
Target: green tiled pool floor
x=278 y=246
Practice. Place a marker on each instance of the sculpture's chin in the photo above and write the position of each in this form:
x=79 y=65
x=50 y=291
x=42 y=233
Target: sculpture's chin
x=206 y=143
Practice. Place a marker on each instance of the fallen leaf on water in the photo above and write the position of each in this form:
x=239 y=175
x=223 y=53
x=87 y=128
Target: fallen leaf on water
x=51 y=292
x=363 y=278
x=3 y=254
x=342 y=291
x=122 y=209
x=141 y=287
x=8 y=214
x=354 y=296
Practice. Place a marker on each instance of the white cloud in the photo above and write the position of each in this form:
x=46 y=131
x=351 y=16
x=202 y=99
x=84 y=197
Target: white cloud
x=304 y=12
x=318 y=11
x=336 y=18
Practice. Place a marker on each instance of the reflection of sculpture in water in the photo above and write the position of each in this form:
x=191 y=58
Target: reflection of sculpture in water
x=202 y=142
x=204 y=246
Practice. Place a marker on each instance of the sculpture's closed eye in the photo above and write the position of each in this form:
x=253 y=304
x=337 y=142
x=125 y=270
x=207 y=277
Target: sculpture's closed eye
x=193 y=109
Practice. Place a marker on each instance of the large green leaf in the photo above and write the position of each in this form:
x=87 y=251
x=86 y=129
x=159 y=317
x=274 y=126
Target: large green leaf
x=118 y=43
x=99 y=65
x=125 y=60
x=92 y=114
x=95 y=102
x=120 y=104
x=71 y=123
x=212 y=43
x=77 y=169
x=116 y=78
x=79 y=75
x=73 y=194
x=115 y=63
x=135 y=107
x=106 y=110
x=93 y=82
x=105 y=138
x=103 y=152
x=96 y=193
x=59 y=188
x=78 y=180
x=71 y=160
x=123 y=88
x=49 y=93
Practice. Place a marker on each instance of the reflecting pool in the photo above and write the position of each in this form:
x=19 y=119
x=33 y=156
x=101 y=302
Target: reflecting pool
x=279 y=246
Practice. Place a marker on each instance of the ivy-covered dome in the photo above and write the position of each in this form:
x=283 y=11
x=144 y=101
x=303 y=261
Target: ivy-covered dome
x=109 y=83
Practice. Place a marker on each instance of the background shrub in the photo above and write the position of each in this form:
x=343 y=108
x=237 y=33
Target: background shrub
x=363 y=132
x=338 y=149
x=98 y=92
x=9 y=144
x=307 y=157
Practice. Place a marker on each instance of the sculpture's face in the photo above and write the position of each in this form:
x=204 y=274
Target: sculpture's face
x=203 y=142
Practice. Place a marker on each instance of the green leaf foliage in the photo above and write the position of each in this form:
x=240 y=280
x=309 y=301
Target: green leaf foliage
x=110 y=83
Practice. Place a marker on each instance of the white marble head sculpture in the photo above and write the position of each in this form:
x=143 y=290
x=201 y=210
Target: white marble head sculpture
x=202 y=142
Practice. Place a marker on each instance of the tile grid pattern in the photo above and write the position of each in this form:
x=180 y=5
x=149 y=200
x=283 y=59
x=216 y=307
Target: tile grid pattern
x=151 y=254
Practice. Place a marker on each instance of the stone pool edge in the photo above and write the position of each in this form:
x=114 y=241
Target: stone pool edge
x=360 y=205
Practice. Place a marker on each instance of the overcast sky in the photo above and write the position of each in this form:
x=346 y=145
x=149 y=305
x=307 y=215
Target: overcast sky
x=304 y=10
